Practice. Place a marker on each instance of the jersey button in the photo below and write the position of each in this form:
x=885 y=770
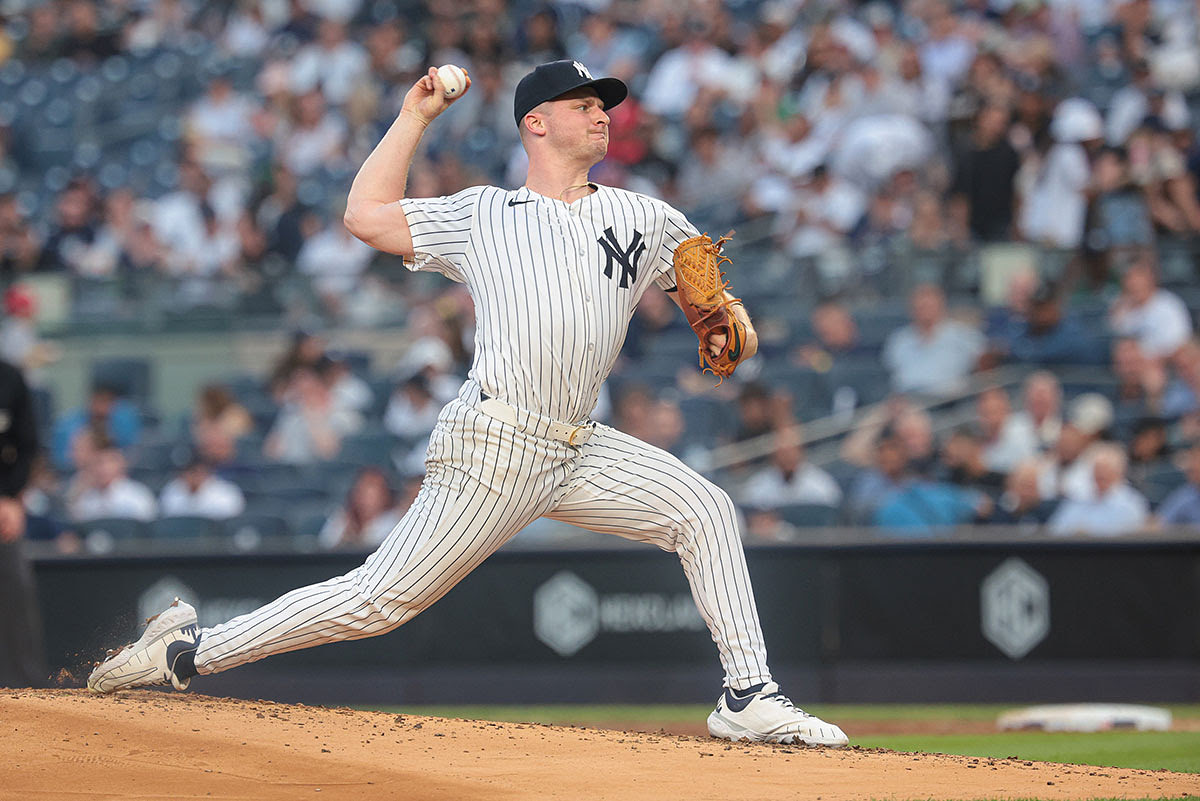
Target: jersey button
x=591 y=346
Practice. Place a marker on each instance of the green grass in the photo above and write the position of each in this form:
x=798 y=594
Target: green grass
x=1173 y=750
x=1176 y=750
x=581 y=714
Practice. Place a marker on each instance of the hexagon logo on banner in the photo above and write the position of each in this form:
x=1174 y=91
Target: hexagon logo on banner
x=1015 y=608
x=566 y=613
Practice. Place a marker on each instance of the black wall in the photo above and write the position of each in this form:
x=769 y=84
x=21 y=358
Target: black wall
x=1089 y=620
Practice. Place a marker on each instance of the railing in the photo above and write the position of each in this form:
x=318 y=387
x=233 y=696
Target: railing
x=560 y=537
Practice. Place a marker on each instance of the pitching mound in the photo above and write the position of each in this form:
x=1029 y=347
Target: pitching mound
x=152 y=745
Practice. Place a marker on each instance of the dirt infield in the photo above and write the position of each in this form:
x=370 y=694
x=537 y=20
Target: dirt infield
x=150 y=745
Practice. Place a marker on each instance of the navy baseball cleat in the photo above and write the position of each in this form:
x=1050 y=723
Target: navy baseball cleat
x=163 y=655
x=763 y=713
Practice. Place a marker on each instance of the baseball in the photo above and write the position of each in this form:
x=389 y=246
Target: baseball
x=453 y=78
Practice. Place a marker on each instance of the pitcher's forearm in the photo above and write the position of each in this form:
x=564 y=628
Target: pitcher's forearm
x=373 y=210
x=384 y=175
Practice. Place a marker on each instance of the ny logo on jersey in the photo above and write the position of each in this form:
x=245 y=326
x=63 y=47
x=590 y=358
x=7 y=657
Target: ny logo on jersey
x=582 y=70
x=628 y=257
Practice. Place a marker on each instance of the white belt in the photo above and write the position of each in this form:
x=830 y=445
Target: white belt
x=538 y=425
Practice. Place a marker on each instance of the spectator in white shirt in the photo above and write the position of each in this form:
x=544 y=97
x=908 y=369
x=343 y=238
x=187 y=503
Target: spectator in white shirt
x=604 y=47
x=196 y=492
x=1156 y=318
x=1067 y=470
x=310 y=427
x=218 y=127
x=315 y=139
x=1008 y=439
x=1055 y=207
x=821 y=214
x=109 y=492
x=790 y=478
x=335 y=260
x=1116 y=508
x=412 y=411
x=348 y=390
x=178 y=217
x=333 y=64
x=947 y=53
x=680 y=74
x=1042 y=410
x=932 y=353
x=716 y=170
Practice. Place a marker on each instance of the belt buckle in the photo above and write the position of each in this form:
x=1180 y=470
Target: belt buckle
x=574 y=431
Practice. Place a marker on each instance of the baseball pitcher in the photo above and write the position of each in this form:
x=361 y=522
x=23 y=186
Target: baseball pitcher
x=556 y=269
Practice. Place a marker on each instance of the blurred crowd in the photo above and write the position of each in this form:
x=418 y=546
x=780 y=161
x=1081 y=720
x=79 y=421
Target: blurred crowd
x=930 y=188
x=332 y=449
x=863 y=135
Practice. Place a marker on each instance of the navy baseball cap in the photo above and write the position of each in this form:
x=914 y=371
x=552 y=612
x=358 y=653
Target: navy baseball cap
x=554 y=78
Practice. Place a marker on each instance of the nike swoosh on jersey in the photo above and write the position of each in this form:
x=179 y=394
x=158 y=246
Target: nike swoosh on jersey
x=515 y=202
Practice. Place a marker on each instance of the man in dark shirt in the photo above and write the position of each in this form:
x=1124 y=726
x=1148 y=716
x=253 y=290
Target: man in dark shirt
x=74 y=231
x=1052 y=335
x=984 y=177
x=21 y=659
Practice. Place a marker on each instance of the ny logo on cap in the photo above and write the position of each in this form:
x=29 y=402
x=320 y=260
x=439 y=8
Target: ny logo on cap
x=582 y=70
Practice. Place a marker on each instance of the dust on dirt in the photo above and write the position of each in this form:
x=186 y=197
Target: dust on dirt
x=155 y=745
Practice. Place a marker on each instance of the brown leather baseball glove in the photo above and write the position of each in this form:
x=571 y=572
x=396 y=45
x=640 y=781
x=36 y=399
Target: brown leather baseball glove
x=702 y=296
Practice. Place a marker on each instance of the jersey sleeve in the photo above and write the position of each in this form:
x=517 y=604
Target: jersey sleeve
x=676 y=229
x=441 y=232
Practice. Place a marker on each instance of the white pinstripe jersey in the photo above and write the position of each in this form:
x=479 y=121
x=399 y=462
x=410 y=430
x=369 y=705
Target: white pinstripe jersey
x=554 y=284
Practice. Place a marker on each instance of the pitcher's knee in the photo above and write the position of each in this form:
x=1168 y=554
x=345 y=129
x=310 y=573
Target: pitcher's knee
x=394 y=610
x=716 y=517
x=384 y=608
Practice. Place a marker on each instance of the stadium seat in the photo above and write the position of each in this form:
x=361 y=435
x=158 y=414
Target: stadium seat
x=869 y=380
x=672 y=349
x=291 y=492
x=1161 y=482
x=372 y=447
x=250 y=449
x=118 y=527
x=102 y=535
x=256 y=525
x=809 y=390
x=875 y=326
x=809 y=515
x=381 y=394
x=155 y=478
x=310 y=525
x=184 y=528
x=335 y=476
x=269 y=476
x=129 y=376
x=301 y=515
x=158 y=455
x=702 y=415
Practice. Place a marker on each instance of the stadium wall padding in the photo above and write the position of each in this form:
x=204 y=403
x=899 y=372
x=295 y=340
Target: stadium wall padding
x=936 y=621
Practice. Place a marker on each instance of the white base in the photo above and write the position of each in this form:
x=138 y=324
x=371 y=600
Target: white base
x=1087 y=717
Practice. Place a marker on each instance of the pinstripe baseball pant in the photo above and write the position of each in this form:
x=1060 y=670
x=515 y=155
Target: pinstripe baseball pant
x=485 y=481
